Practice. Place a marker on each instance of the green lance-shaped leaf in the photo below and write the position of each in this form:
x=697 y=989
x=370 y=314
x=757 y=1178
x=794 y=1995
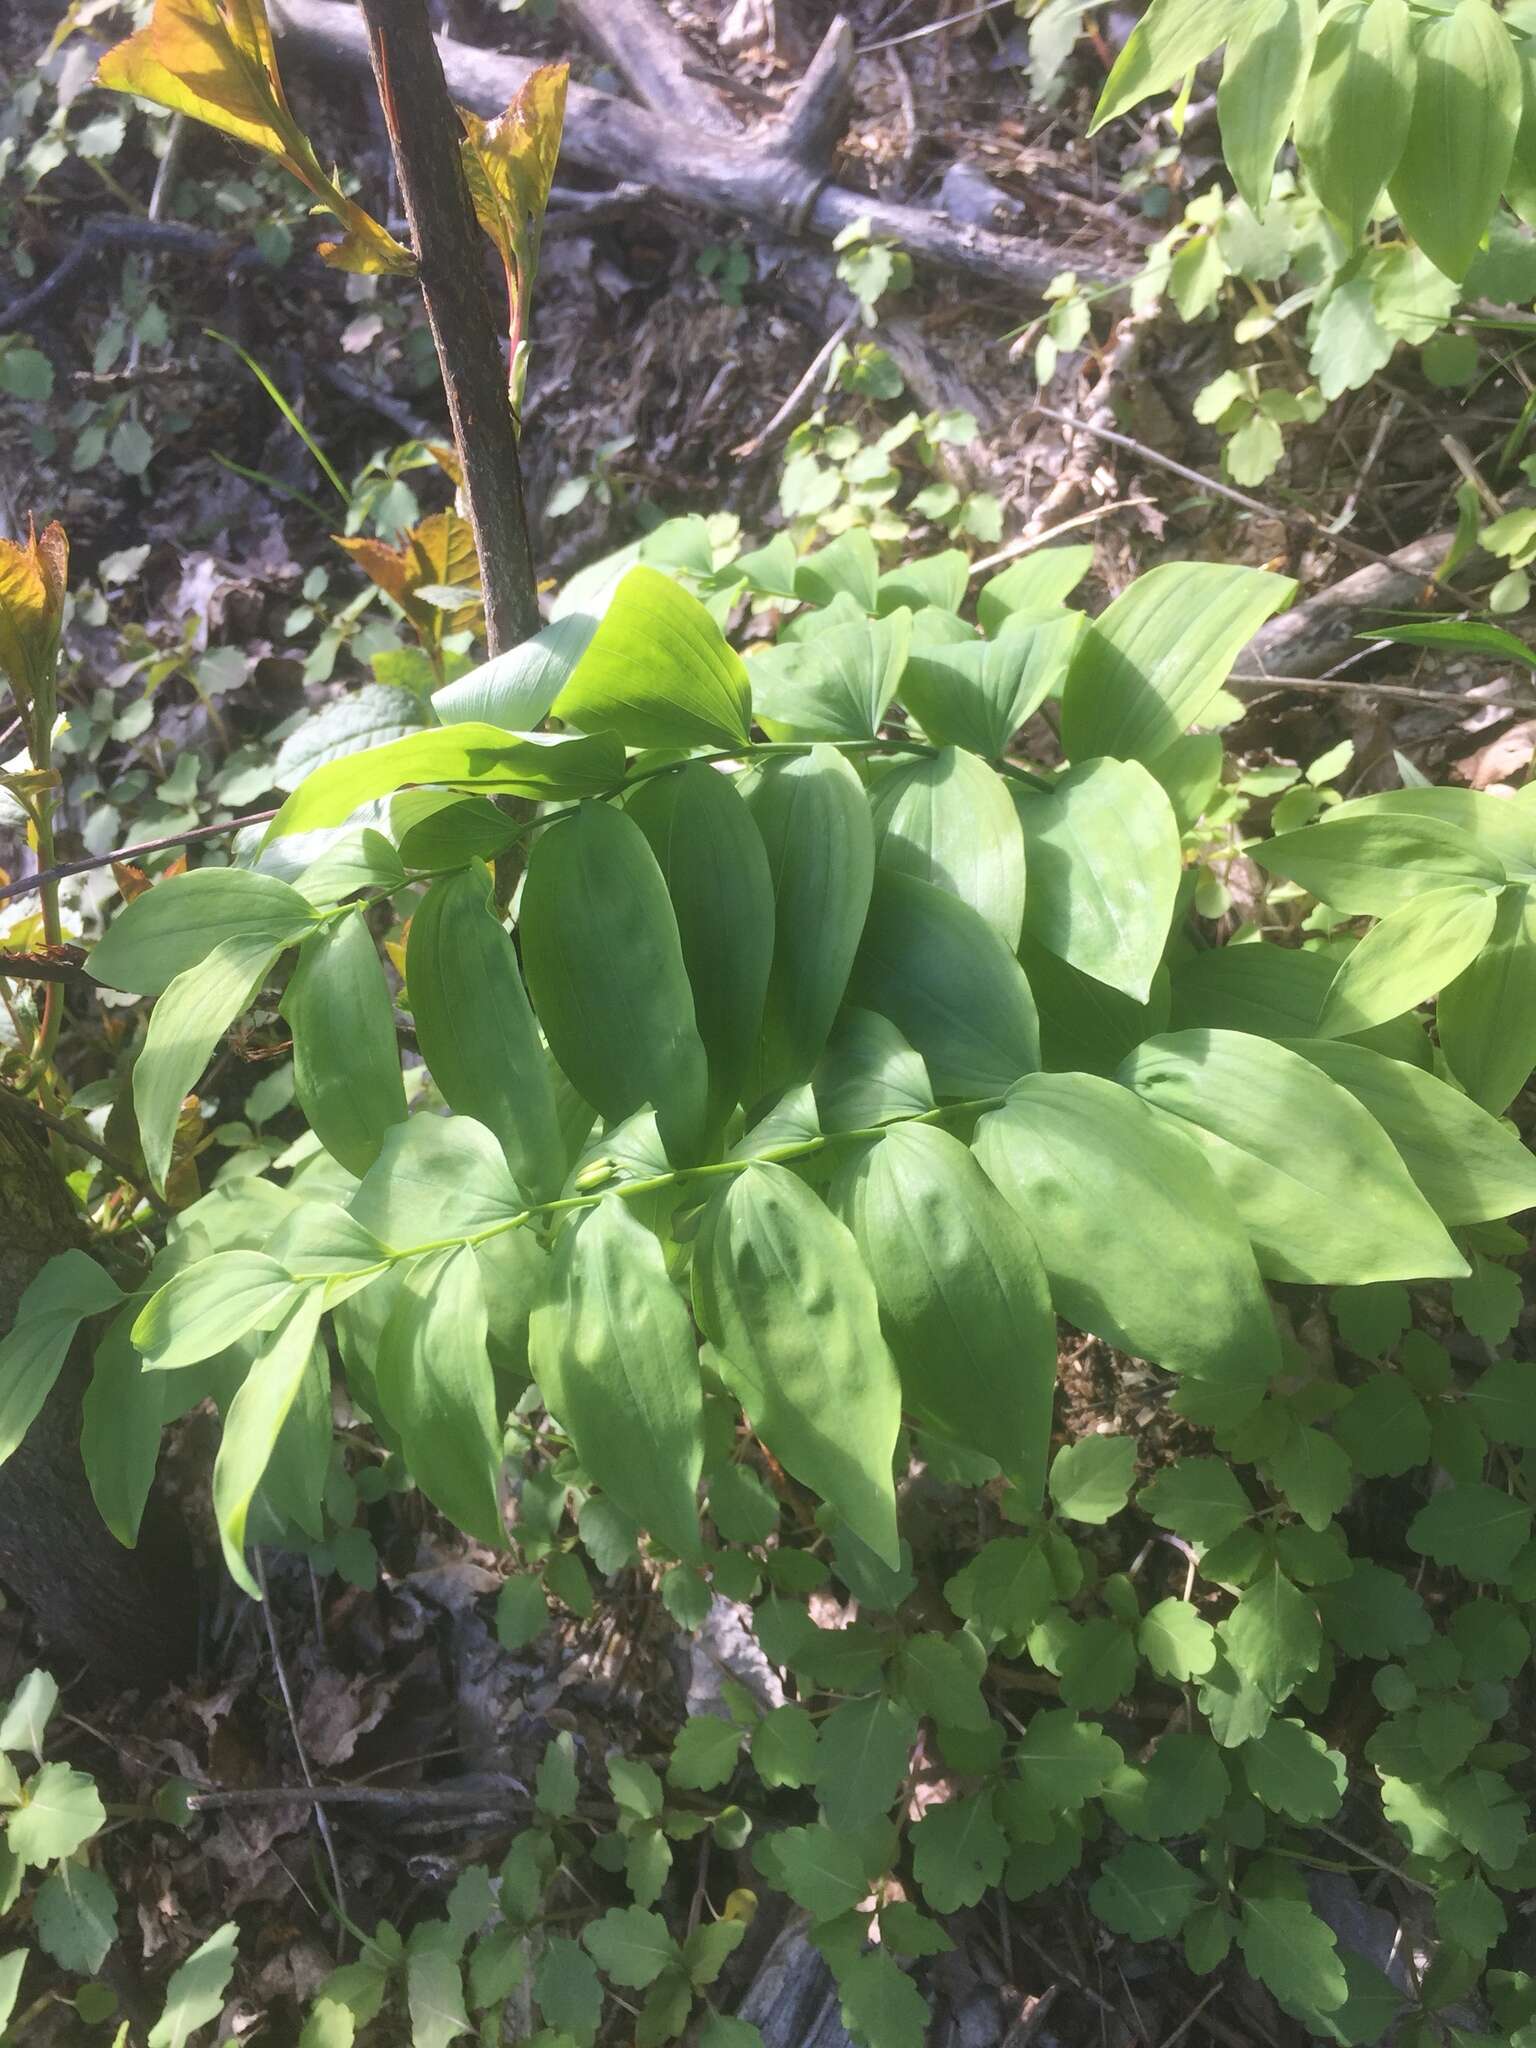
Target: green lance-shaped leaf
x=437 y=1392
x=963 y=1299
x=195 y=1994
x=814 y=819
x=940 y=973
x=614 y=1355
x=1461 y=136
x=70 y=1287
x=515 y=690
x=1406 y=958
x=475 y=1027
x=948 y=819
x=605 y=969
x=543 y=767
x=658 y=672
x=1171 y=38
x=1044 y=579
x=1268 y=58
x=177 y=923
x=1174 y=1280
x=254 y=1423
x=1087 y=1027
x=977 y=693
x=780 y=1289
x=346 y=1062
x=1352 y=124
x=1313 y=1178
x=1520 y=191
x=1506 y=830
x=715 y=866
x=121 y=1416
x=1148 y=666
x=210 y=1304
x=1103 y=849
x=1274 y=991
x=1371 y=864
x=1486 y=1017
x=835 y=686
x=1468 y=1166
x=187 y=1022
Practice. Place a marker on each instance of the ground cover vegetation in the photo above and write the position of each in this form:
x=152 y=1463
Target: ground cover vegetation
x=845 y=1262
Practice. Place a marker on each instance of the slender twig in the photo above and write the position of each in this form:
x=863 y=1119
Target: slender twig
x=425 y=136
x=322 y=1822
x=933 y=28
x=32 y=883
x=1027 y=543
x=801 y=391
x=447 y=1798
x=1354 y=685
x=86 y=1141
x=1341 y=541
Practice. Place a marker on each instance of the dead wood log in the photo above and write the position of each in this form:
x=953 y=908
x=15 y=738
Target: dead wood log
x=1317 y=634
x=130 y=1613
x=714 y=173
x=653 y=56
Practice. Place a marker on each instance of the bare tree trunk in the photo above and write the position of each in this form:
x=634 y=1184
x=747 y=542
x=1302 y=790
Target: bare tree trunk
x=130 y=1613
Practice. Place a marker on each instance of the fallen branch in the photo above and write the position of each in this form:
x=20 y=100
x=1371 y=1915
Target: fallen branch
x=714 y=173
x=641 y=42
x=30 y=884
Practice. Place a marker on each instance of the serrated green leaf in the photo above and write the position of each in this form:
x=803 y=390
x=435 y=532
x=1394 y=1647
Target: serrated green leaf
x=1063 y=1762
x=820 y=1868
x=75 y=1917
x=631 y=1946
x=880 y=2007
x=62 y=1810
x=704 y=1754
x=565 y=1982
x=1200 y=1499
x=1294 y=1772
x=784 y=1747
x=861 y=1760
x=958 y=1851
x=1144 y=1893
x=1273 y=1635
x=1475 y=1528
x=1091 y=1479
x=1177 y=1642
x=1291 y=1951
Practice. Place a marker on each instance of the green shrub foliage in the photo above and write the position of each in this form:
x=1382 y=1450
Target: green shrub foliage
x=794 y=1087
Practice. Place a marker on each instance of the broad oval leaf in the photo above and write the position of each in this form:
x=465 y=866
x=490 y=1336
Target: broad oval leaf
x=1366 y=865
x=178 y=922
x=869 y=1075
x=977 y=693
x=1040 y=582
x=1313 y=1178
x=515 y=690
x=715 y=866
x=1461 y=135
x=1408 y=957
x=68 y=1288
x=927 y=581
x=1486 y=1017
x=948 y=819
x=836 y=686
x=209 y=1305
x=1170 y=39
x=605 y=969
x=253 y=1424
x=437 y=1393
x=346 y=1062
x=1104 y=861
x=1469 y=1167
x=814 y=819
x=187 y=1022
x=963 y=1299
x=781 y=1292
x=1268 y=58
x=1352 y=124
x=475 y=1027
x=1148 y=666
x=1274 y=991
x=944 y=978
x=539 y=766
x=614 y=1355
x=1175 y=1279
x=1504 y=829
x=658 y=671
x=1087 y=1027
x=435 y=1177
